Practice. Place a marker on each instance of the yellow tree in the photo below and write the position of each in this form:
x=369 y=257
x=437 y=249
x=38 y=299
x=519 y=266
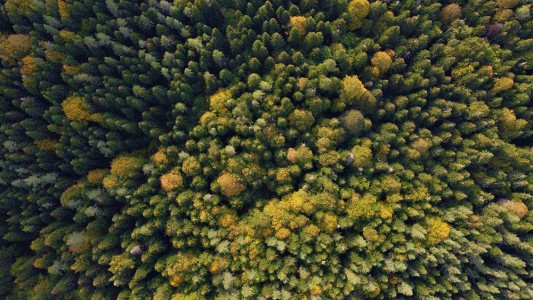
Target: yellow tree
x=357 y=10
x=14 y=46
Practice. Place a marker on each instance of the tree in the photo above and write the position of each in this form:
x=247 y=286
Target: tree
x=171 y=181
x=301 y=119
x=450 y=12
x=353 y=122
x=77 y=109
x=14 y=47
x=382 y=61
x=357 y=11
x=502 y=84
x=355 y=94
x=230 y=185
x=300 y=23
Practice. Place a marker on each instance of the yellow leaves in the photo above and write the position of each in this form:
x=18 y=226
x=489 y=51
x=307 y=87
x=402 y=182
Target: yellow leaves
x=77 y=109
x=421 y=145
x=385 y=211
x=297 y=202
x=357 y=11
x=362 y=156
x=14 y=46
x=507 y=3
x=71 y=194
x=54 y=56
x=300 y=23
x=252 y=171
x=38 y=262
x=171 y=181
x=313 y=230
x=207 y=117
x=301 y=119
x=181 y=262
x=126 y=166
x=283 y=175
x=516 y=207
x=122 y=167
x=217 y=101
x=394 y=198
x=382 y=61
x=390 y=184
x=376 y=291
x=192 y=296
x=419 y=194
x=218 y=264
x=302 y=82
x=160 y=157
x=510 y=126
x=62 y=7
x=352 y=86
x=97 y=176
x=71 y=70
x=110 y=182
x=292 y=155
x=462 y=70
x=227 y=220
x=474 y=221
x=230 y=185
x=353 y=92
x=450 y=12
x=437 y=230
x=488 y=71
x=329 y=223
x=283 y=233
x=503 y=15
x=67 y=35
x=29 y=65
x=191 y=166
x=19 y=7
x=370 y=234
x=46 y=144
x=302 y=155
x=361 y=206
x=176 y=280
x=502 y=84
x=316 y=290
x=280 y=216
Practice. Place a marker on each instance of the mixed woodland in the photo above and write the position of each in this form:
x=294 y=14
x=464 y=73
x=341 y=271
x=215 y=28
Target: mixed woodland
x=230 y=149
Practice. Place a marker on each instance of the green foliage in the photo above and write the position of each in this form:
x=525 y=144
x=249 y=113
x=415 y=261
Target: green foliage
x=266 y=149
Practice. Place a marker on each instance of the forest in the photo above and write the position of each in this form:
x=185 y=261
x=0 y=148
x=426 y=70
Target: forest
x=231 y=149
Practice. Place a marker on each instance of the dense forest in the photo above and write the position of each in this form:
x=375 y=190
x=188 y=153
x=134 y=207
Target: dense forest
x=230 y=149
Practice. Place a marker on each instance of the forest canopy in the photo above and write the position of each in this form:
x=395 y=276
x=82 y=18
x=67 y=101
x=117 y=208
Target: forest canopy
x=229 y=149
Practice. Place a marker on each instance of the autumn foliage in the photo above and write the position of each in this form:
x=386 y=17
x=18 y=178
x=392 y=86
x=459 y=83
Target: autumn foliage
x=223 y=149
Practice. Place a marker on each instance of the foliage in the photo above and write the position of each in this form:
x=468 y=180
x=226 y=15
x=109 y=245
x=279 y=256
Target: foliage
x=77 y=109
x=450 y=12
x=229 y=149
x=230 y=185
x=14 y=47
x=357 y=11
